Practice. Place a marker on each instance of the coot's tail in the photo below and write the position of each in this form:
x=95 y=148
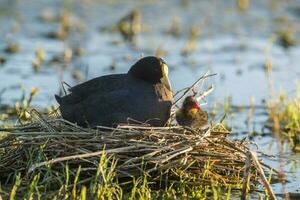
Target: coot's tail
x=58 y=99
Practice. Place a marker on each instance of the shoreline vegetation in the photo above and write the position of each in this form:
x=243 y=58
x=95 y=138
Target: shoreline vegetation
x=284 y=118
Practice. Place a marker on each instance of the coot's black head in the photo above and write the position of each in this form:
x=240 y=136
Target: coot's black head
x=151 y=69
x=190 y=103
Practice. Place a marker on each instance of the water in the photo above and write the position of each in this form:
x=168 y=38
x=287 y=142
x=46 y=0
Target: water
x=232 y=43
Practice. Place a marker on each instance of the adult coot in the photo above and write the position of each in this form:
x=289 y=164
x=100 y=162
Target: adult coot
x=190 y=114
x=143 y=94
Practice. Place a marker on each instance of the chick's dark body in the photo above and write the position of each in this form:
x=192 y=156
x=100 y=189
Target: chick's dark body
x=198 y=119
x=112 y=99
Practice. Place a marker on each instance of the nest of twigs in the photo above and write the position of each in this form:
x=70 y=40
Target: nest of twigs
x=173 y=153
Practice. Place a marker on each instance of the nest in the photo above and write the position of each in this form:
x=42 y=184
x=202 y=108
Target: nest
x=163 y=154
x=52 y=149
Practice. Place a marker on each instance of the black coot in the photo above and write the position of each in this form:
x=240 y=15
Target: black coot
x=143 y=94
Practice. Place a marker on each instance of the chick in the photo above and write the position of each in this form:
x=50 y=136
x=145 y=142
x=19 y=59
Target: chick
x=190 y=114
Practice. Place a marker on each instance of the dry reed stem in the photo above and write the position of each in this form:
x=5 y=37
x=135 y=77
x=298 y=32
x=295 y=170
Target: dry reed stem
x=262 y=175
x=246 y=180
x=189 y=89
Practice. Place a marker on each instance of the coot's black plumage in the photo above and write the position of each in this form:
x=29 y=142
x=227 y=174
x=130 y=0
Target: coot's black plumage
x=190 y=114
x=143 y=94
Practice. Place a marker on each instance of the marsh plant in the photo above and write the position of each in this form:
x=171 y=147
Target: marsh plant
x=21 y=108
x=284 y=115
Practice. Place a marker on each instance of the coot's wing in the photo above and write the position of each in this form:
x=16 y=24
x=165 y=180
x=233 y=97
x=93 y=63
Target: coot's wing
x=102 y=85
x=101 y=109
x=118 y=106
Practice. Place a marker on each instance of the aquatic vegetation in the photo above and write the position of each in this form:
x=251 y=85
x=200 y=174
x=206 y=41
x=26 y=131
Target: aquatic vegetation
x=243 y=5
x=68 y=53
x=67 y=22
x=79 y=51
x=130 y=25
x=285 y=117
x=48 y=15
x=268 y=65
x=113 y=65
x=21 y=108
x=36 y=64
x=2 y=60
x=175 y=26
x=77 y=75
x=12 y=48
x=63 y=58
x=190 y=45
x=160 y=52
x=286 y=37
x=291 y=120
x=40 y=56
x=60 y=34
